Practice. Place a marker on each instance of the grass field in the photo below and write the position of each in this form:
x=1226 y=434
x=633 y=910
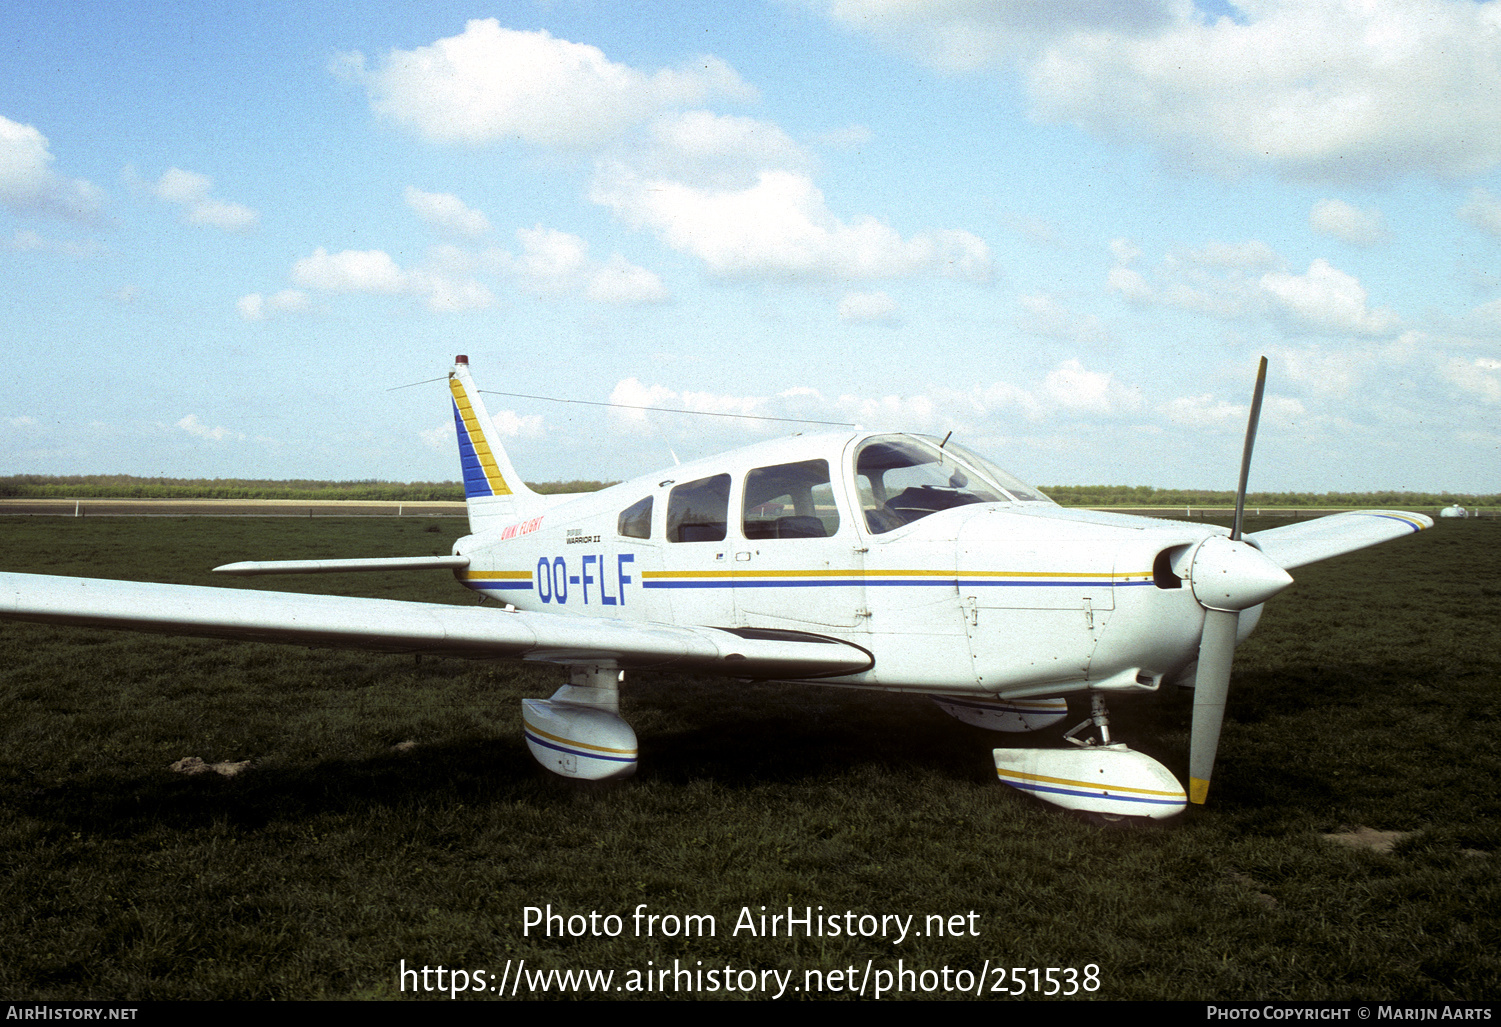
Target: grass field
x=1367 y=698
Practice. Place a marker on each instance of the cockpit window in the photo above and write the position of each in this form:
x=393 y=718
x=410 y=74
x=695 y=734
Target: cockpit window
x=790 y=501
x=635 y=520
x=698 y=511
x=903 y=479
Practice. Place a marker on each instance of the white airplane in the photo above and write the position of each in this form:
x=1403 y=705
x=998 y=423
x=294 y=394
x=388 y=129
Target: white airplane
x=866 y=560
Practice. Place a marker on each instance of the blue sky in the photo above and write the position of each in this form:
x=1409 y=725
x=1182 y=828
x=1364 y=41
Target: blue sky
x=1064 y=231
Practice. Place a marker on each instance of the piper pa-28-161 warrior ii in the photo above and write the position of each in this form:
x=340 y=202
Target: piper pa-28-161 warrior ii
x=859 y=559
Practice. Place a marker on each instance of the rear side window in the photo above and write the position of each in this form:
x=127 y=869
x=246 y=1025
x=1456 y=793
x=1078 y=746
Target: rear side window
x=635 y=520
x=790 y=501
x=697 y=511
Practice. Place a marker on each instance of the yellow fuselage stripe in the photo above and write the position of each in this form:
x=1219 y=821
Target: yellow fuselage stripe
x=576 y=743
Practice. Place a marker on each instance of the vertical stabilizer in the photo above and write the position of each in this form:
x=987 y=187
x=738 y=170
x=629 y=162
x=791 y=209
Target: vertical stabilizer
x=495 y=492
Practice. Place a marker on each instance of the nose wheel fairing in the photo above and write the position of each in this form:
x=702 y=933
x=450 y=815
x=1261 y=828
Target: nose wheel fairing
x=1107 y=779
x=1096 y=776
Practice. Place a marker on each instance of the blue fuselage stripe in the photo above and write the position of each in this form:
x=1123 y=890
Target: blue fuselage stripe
x=887 y=583
x=1090 y=794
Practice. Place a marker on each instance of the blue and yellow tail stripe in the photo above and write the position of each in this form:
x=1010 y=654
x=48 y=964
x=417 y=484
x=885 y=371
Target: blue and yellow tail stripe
x=482 y=475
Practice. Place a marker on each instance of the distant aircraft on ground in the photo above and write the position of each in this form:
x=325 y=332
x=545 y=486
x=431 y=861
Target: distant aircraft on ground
x=865 y=560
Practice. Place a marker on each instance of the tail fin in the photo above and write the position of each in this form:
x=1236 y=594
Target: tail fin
x=495 y=492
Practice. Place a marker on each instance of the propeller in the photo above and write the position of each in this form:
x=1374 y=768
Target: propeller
x=1228 y=575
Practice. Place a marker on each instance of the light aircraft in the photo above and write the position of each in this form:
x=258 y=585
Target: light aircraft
x=859 y=559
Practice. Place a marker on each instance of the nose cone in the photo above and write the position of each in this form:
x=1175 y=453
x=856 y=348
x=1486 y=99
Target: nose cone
x=1230 y=575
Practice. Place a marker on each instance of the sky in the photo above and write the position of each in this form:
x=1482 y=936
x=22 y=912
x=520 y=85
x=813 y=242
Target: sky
x=246 y=240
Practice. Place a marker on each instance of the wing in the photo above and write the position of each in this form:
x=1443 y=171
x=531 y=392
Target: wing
x=1293 y=545
x=383 y=563
x=385 y=625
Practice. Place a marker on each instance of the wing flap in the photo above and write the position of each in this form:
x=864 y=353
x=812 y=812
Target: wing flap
x=385 y=625
x=1303 y=542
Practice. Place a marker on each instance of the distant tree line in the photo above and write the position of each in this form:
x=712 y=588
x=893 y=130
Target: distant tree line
x=1144 y=496
x=124 y=486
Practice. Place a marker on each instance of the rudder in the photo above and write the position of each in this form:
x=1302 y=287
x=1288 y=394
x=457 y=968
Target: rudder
x=492 y=488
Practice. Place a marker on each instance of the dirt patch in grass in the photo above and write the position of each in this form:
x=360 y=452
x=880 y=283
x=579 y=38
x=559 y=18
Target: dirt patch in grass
x=195 y=765
x=1369 y=838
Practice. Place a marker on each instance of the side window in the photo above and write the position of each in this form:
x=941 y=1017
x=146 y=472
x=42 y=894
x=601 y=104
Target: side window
x=790 y=501
x=635 y=520
x=698 y=510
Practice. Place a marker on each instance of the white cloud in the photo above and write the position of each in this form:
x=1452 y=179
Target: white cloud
x=622 y=284
x=256 y=307
x=29 y=186
x=490 y=84
x=1124 y=250
x=1250 y=256
x=508 y=424
x=551 y=260
x=869 y=308
x=1130 y=284
x=1204 y=411
x=451 y=295
x=512 y=425
x=350 y=271
x=1044 y=316
x=1326 y=299
x=1231 y=282
x=447 y=214
x=780 y=227
x=1483 y=211
x=1488 y=314
x=1072 y=387
x=29 y=241
x=1318 y=370
x=190 y=191
x=373 y=271
x=193 y=426
x=1346 y=223
x=633 y=400
x=701 y=145
x=559 y=263
x=1480 y=377
x=962 y=35
x=880 y=412
x=1334 y=89
x=1215 y=279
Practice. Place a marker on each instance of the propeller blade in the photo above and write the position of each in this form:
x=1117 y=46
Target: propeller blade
x=1228 y=576
x=1211 y=689
x=1245 y=456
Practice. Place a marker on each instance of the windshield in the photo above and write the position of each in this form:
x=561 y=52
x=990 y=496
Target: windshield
x=903 y=478
x=1019 y=490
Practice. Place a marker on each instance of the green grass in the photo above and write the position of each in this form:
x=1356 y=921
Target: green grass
x=1368 y=697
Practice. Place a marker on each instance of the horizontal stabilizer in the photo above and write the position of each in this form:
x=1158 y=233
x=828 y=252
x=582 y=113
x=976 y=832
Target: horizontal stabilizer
x=385 y=625
x=391 y=563
x=1294 y=545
